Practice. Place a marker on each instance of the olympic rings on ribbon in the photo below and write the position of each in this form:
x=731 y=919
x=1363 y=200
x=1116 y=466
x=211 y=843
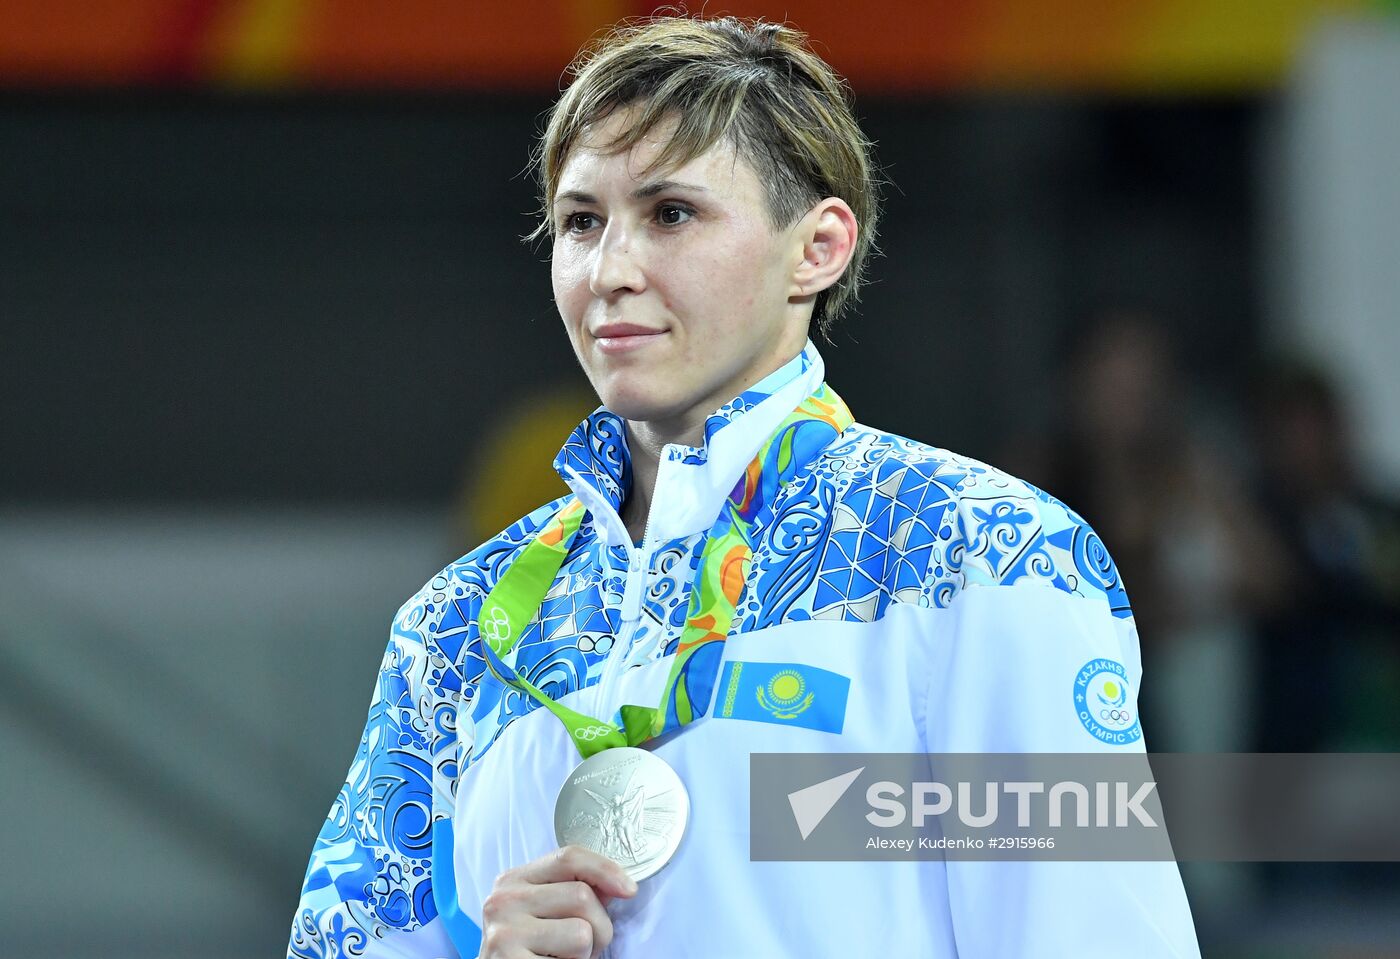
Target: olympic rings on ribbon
x=495 y=626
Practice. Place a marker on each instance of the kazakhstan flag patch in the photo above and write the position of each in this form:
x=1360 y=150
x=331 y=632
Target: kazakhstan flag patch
x=789 y=694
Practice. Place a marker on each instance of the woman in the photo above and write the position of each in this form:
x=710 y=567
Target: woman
x=710 y=197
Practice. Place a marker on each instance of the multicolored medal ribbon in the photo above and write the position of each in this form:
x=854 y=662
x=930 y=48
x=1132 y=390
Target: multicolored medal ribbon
x=714 y=596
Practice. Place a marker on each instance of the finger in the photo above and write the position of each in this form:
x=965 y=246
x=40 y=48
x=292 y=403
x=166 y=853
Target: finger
x=576 y=898
x=575 y=862
x=570 y=938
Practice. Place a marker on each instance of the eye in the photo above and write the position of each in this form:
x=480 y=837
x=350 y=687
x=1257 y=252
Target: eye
x=673 y=214
x=578 y=223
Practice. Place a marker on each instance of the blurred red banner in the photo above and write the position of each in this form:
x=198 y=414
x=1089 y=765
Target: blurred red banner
x=889 y=46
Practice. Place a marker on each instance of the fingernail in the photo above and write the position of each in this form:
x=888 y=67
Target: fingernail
x=629 y=884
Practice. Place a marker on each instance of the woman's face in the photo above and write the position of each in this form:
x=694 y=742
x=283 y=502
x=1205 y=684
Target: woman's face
x=673 y=285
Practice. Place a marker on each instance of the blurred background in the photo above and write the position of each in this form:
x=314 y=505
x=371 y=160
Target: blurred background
x=271 y=354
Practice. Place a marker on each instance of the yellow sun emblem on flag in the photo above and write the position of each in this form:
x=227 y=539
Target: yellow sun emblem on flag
x=785 y=695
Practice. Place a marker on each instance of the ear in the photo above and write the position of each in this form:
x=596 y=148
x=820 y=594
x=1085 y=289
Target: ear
x=827 y=239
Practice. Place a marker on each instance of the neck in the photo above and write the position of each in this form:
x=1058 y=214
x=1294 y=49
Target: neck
x=647 y=438
x=645 y=441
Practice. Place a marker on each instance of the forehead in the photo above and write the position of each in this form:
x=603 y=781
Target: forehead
x=594 y=161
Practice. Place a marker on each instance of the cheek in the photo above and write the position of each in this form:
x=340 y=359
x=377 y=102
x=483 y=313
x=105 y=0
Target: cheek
x=569 y=278
x=742 y=276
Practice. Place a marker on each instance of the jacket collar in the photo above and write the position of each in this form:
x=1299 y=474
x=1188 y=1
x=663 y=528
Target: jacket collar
x=691 y=481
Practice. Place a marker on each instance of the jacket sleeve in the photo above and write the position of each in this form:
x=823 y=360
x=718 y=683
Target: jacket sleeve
x=1041 y=620
x=369 y=886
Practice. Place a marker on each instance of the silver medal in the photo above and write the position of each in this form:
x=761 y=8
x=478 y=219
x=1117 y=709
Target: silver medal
x=626 y=803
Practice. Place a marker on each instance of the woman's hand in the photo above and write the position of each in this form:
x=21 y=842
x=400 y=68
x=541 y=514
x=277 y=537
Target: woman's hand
x=553 y=906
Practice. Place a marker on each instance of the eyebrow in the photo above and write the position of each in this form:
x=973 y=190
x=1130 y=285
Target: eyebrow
x=643 y=192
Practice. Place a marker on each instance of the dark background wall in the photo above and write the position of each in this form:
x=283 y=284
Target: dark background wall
x=311 y=298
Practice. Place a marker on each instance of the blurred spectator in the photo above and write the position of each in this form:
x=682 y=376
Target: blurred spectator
x=1145 y=464
x=1148 y=462
x=1329 y=676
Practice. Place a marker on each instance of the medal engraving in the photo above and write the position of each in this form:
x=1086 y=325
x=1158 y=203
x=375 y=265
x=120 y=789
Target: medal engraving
x=626 y=804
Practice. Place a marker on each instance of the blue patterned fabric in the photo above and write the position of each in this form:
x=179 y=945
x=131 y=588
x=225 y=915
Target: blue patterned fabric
x=875 y=519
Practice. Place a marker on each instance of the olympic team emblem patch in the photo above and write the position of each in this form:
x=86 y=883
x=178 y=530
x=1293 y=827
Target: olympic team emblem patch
x=1104 y=703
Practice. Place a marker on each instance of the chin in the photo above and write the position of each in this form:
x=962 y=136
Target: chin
x=642 y=402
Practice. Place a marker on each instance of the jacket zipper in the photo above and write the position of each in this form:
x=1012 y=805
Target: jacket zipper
x=633 y=603
x=633 y=591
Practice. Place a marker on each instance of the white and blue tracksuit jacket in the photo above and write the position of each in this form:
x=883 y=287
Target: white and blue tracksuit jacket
x=962 y=605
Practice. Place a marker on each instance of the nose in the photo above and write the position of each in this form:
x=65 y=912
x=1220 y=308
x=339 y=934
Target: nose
x=616 y=267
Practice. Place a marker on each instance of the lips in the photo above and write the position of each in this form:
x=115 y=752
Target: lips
x=613 y=330
x=613 y=338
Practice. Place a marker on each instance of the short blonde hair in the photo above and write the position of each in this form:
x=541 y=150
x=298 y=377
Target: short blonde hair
x=753 y=82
